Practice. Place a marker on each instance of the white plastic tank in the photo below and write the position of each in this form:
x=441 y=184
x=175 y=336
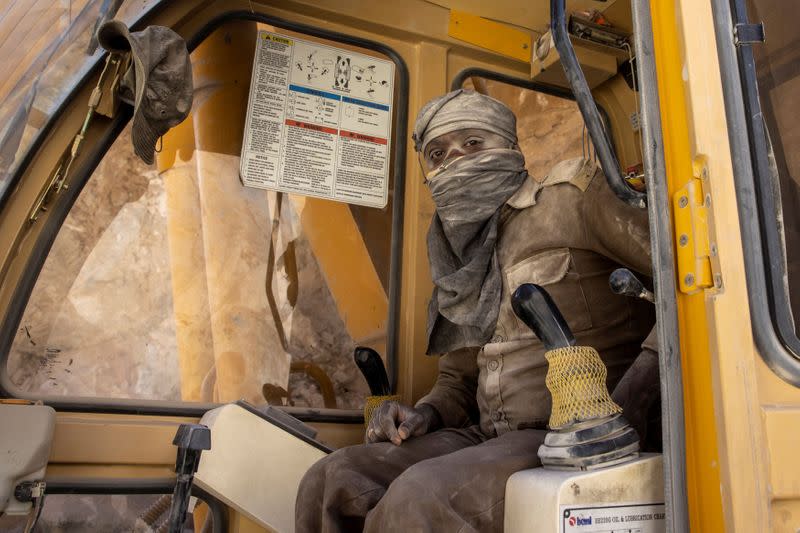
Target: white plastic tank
x=624 y=498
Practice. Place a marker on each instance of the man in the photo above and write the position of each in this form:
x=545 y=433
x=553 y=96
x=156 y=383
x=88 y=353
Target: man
x=432 y=467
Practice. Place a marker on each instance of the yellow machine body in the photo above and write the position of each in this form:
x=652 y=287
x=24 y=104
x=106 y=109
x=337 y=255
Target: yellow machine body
x=742 y=421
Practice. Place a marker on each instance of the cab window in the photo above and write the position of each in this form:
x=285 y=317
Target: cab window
x=178 y=282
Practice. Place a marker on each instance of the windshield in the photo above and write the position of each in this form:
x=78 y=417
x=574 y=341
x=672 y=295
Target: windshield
x=46 y=48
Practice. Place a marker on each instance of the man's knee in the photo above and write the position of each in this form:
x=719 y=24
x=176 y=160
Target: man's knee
x=417 y=482
x=350 y=473
x=336 y=469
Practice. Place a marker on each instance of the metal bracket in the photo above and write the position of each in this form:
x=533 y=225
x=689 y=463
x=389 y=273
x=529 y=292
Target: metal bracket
x=58 y=176
x=748 y=33
x=695 y=249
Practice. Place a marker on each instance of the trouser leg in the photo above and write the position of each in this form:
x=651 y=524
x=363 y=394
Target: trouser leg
x=463 y=491
x=338 y=491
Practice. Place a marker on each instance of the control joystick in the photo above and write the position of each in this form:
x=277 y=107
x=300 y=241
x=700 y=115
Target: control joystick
x=587 y=428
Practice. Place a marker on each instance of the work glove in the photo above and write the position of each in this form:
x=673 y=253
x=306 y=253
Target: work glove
x=396 y=422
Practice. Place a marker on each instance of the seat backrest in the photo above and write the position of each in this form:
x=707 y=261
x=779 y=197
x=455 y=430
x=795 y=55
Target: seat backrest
x=25 y=440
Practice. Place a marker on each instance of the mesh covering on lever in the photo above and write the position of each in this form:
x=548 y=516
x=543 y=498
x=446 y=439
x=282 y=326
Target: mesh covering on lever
x=576 y=379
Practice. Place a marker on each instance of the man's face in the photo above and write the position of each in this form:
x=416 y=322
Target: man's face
x=449 y=146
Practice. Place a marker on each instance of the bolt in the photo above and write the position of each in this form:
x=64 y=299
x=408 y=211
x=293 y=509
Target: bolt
x=708 y=200
x=689 y=280
x=704 y=173
x=718 y=281
x=684 y=240
x=713 y=249
x=524 y=46
x=683 y=201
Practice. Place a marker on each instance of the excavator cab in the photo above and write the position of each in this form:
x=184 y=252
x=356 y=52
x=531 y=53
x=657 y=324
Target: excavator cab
x=181 y=340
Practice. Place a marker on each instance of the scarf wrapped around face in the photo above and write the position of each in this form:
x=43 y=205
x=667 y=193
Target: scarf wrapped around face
x=468 y=194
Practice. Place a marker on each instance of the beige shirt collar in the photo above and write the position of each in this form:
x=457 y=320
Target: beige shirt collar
x=578 y=171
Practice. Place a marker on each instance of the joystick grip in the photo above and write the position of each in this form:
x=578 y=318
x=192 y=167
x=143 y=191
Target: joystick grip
x=536 y=309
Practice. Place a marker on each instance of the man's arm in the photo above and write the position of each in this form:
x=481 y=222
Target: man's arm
x=453 y=396
x=621 y=232
x=450 y=403
x=615 y=229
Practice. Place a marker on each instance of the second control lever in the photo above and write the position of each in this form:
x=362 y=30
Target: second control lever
x=371 y=366
x=623 y=281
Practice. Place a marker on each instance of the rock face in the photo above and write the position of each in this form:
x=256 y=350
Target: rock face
x=98 y=322
x=101 y=320
x=549 y=128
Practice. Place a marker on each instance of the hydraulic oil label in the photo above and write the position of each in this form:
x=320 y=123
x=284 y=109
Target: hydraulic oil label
x=318 y=121
x=634 y=518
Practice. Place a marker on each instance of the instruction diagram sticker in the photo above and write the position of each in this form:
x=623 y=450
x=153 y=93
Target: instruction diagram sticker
x=318 y=121
x=635 y=518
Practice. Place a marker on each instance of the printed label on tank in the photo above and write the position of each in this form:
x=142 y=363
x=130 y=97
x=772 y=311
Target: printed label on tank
x=603 y=518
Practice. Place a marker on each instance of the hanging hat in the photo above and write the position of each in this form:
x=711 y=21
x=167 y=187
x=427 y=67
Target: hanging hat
x=158 y=84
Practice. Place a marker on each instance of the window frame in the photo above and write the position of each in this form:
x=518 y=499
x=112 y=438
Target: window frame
x=775 y=336
x=60 y=210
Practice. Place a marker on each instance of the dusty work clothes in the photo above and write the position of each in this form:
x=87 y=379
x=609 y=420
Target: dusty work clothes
x=566 y=233
x=448 y=480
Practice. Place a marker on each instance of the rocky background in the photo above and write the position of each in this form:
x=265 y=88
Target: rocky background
x=100 y=319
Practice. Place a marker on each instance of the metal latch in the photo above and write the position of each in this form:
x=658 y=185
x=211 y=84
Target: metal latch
x=748 y=34
x=695 y=249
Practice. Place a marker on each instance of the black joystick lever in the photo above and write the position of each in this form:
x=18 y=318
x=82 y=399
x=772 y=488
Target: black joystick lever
x=191 y=440
x=536 y=309
x=623 y=281
x=371 y=366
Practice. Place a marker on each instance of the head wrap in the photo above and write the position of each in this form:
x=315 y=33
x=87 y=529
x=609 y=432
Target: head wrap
x=469 y=192
x=459 y=110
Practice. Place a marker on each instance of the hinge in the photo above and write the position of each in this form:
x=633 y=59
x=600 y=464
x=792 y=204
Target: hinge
x=748 y=33
x=695 y=249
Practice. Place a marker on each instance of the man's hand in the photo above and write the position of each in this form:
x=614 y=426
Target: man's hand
x=396 y=422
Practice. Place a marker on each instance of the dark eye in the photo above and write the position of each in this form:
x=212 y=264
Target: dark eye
x=473 y=142
x=435 y=154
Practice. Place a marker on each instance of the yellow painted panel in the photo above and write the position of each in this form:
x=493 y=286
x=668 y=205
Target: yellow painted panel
x=87 y=438
x=786 y=516
x=702 y=456
x=348 y=269
x=491 y=35
x=783 y=440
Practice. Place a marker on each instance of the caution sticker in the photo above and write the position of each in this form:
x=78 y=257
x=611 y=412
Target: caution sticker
x=635 y=518
x=318 y=121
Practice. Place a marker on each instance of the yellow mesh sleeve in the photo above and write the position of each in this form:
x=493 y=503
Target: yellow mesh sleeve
x=576 y=379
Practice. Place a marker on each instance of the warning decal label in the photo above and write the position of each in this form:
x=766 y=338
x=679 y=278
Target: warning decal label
x=318 y=121
x=635 y=518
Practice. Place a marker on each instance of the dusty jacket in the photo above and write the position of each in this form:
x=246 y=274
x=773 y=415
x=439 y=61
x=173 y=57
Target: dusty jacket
x=567 y=233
